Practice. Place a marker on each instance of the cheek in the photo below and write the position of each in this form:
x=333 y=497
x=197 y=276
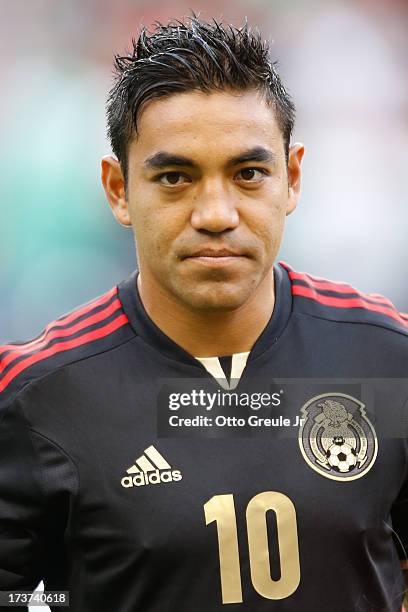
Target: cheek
x=143 y=224
x=155 y=228
x=272 y=234
x=267 y=221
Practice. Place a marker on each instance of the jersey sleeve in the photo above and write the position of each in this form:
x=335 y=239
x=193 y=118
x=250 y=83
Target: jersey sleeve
x=399 y=510
x=35 y=480
x=399 y=515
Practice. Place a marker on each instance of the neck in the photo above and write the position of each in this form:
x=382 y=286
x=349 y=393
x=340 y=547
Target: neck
x=209 y=334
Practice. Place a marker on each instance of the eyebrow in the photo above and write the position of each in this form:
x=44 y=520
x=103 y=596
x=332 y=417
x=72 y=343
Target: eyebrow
x=162 y=159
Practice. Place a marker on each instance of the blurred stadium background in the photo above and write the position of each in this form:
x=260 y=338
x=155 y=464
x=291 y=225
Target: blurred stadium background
x=345 y=63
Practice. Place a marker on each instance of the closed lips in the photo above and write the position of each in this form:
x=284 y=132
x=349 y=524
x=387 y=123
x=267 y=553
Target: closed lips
x=212 y=253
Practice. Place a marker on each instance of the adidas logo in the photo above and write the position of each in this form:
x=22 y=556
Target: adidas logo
x=150 y=468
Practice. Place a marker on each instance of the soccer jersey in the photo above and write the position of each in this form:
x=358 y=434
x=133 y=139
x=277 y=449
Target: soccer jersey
x=139 y=477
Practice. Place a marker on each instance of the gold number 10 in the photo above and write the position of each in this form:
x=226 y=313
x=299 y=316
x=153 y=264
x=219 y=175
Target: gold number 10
x=221 y=509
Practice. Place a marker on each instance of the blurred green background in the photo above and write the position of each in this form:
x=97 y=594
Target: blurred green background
x=346 y=65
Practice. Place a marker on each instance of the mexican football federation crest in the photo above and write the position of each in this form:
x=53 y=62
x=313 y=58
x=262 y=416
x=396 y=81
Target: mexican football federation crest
x=336 y=438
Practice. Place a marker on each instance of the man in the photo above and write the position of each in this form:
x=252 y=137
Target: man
x=218 y=431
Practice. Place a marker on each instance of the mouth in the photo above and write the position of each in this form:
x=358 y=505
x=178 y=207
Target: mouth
x=215 y=261
x=214 y=257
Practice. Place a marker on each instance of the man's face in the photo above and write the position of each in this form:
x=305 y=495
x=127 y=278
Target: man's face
x=208 y=194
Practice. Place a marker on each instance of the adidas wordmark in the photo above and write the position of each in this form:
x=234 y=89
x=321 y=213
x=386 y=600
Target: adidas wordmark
x=150 y=468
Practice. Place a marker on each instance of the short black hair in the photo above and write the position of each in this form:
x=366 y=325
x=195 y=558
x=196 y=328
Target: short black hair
x=191 y=55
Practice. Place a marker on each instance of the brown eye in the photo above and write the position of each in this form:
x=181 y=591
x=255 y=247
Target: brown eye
x=169 y=179
x=251 y=175
x=248 y=174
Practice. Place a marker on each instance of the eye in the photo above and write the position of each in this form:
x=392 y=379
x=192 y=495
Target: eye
x=172 y=179
x=251 y=175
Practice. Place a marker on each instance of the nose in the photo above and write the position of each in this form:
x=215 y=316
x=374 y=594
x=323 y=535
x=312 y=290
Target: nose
x=214 y=209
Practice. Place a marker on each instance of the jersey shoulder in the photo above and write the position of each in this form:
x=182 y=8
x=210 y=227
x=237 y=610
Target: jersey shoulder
x=90 y=329
x=341 y=302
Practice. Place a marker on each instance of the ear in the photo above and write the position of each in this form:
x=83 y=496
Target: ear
x=296 y=152
x=114 y=186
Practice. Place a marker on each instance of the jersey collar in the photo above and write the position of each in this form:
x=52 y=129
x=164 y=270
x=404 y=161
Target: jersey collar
x=155 y=337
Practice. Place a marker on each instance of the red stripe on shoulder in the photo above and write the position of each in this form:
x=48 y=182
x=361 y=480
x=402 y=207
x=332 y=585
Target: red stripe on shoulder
x=27 y=349
x=339 y=287
x=63 y=321
x=312 y=286
x=91 y=336
x=345 y=302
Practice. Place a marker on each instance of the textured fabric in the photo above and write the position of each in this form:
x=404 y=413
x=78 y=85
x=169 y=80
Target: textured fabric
x=99 y=496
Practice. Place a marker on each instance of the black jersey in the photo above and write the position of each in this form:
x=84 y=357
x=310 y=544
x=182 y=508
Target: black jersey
x=141 y=478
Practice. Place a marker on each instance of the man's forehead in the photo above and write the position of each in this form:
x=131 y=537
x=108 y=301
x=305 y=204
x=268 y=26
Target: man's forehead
x=194 y=120
x=194 y=110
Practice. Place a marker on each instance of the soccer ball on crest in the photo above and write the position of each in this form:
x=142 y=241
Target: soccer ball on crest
x=341 y=456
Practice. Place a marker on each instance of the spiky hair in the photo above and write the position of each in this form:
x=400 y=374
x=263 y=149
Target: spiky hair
x=191 y=55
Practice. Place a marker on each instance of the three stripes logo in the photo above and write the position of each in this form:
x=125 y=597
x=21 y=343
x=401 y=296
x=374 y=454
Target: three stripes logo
x=150 y=468
x=77 y=330
x=343 y=296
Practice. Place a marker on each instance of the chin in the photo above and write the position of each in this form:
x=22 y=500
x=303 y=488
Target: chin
x=222 y=298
